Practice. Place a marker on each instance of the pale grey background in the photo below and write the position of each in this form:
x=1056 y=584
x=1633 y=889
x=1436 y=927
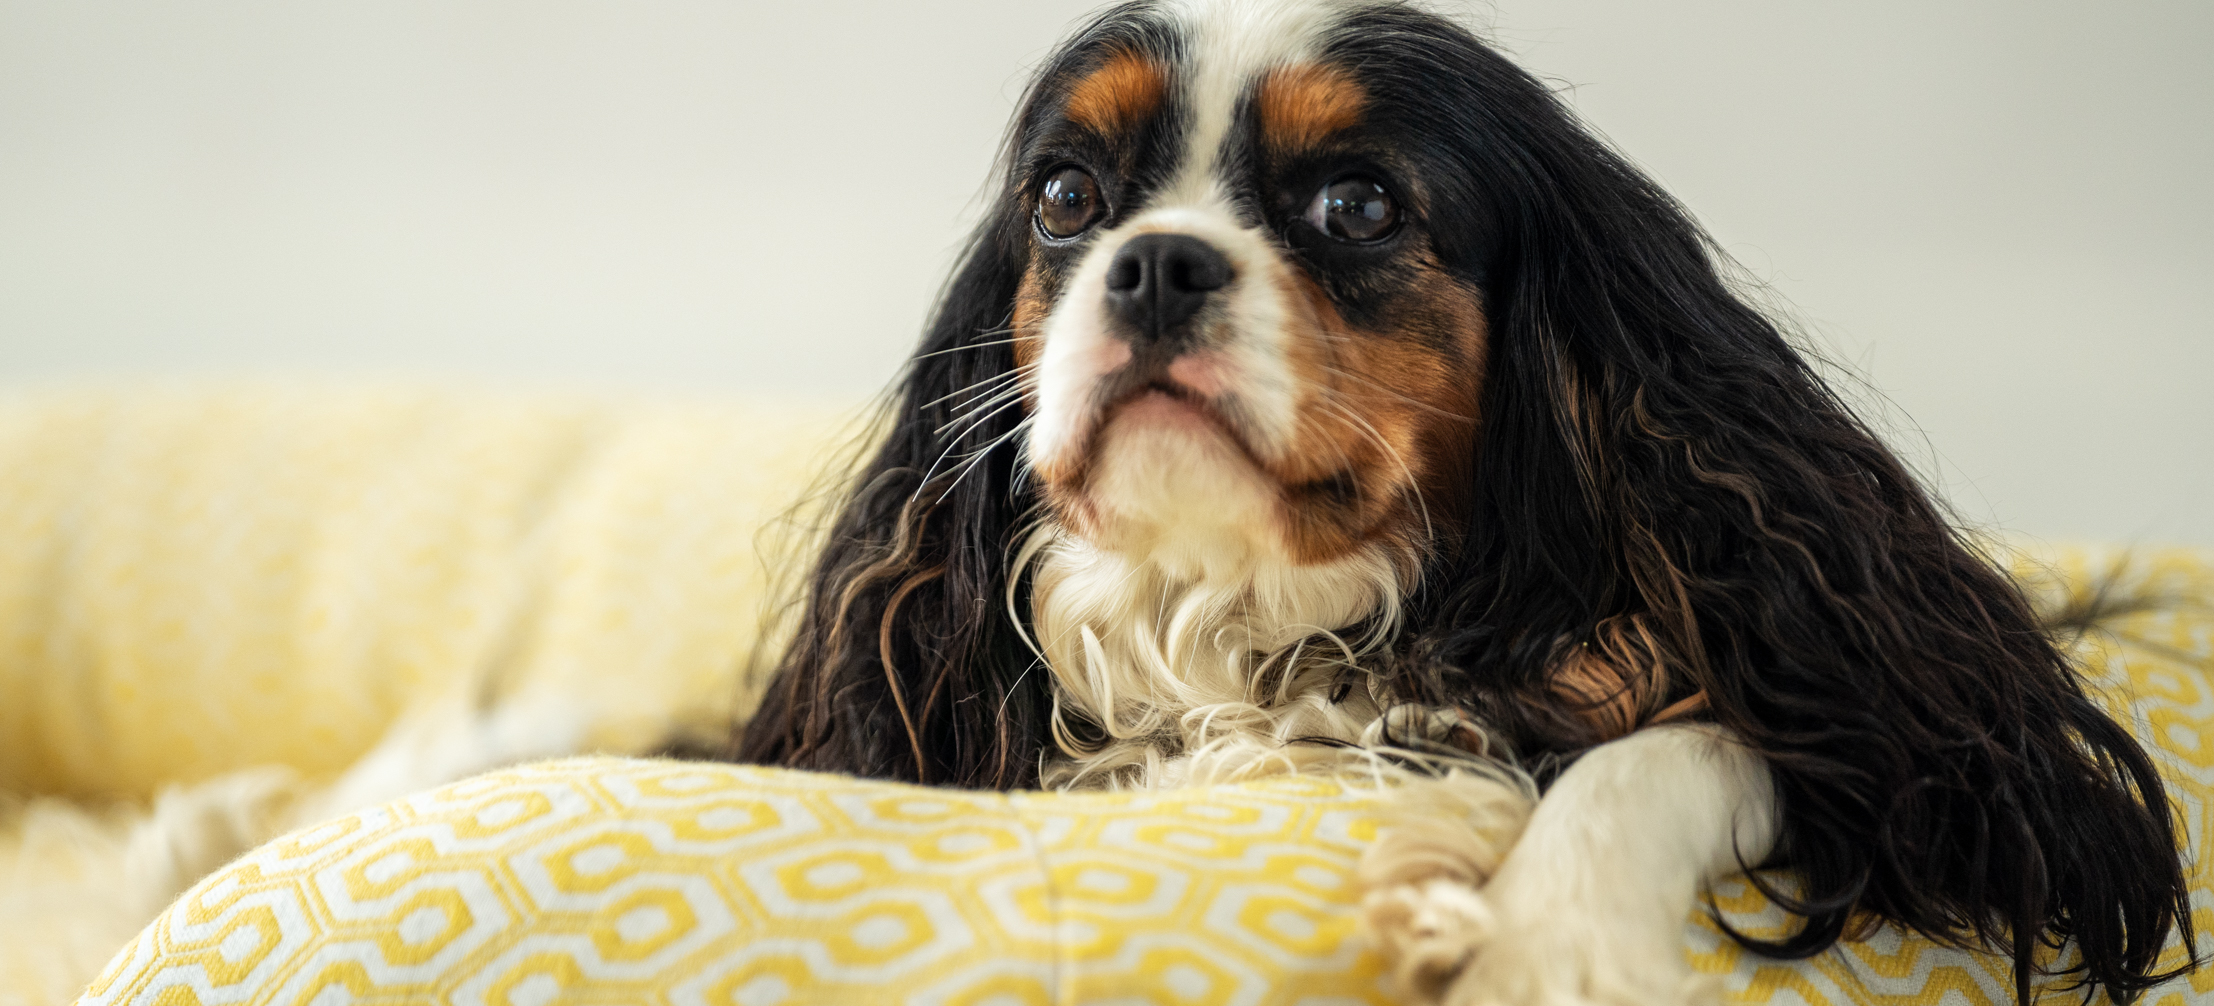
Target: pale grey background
x=1996 y=213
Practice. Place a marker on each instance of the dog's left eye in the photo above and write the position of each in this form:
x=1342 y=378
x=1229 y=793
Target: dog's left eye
x=1353 y=208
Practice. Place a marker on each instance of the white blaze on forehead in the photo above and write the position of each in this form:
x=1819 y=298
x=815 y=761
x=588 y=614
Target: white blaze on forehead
x=1228 y=45
x=1247 y=348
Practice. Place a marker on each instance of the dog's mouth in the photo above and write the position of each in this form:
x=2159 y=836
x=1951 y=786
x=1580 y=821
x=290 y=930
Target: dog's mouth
x=1147 y=397
x=1141 y=407
x=1162 y=401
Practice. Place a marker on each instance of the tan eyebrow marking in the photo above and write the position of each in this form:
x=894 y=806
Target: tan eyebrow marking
x=1301 y=105
x=1119 y=95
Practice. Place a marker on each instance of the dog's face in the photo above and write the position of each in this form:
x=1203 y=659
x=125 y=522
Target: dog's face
x=1246 y=331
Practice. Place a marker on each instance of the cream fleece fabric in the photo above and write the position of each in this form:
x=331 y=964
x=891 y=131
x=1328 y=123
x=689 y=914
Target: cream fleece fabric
x=215 y=600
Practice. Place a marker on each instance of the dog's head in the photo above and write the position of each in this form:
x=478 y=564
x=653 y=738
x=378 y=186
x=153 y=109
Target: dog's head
x=1249 y=325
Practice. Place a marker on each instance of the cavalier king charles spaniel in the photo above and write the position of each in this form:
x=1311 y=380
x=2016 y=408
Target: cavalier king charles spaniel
x=1319 y=393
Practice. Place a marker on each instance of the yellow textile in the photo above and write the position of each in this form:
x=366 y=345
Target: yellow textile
x=199 y=582
x=638 y=881
x=203 y=579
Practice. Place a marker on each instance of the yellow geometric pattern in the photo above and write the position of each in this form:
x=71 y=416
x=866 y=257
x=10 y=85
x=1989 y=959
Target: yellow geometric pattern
x=640 y=881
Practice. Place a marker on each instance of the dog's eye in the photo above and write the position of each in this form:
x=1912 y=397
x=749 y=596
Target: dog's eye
x=1068 y=203
x=1353 y=208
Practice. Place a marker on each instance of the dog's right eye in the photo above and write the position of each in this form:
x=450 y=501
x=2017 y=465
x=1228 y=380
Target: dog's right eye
x=1068 y=203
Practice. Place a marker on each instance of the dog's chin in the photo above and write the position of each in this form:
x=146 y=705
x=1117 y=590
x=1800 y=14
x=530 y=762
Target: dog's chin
x=1169 y=484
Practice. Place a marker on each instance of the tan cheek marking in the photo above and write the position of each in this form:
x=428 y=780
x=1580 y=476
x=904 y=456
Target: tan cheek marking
x=1448 y=425
x=1031 y=308
x=1395 y=408
x=1300 y=106
x=1122 y=93
x=1064 y=480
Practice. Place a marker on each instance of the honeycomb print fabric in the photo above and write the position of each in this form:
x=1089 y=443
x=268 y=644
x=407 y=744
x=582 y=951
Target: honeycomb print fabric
x=636 y=881
x=631 y=881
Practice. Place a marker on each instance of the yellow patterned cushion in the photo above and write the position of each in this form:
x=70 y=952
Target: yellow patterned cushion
x=634 y=881
x=637 y=881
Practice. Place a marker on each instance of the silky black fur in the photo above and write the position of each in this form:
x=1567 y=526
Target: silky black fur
x=1652 y=449
x=940 y=506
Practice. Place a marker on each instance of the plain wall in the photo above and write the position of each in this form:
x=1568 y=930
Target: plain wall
x=1995 y=215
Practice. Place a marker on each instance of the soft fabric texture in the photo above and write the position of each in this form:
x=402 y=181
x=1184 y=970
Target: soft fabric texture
x=215 y=600
x=639 y=881
x=187 y=568
x=229 y=612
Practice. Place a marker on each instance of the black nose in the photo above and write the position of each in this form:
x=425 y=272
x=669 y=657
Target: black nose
x=1158 y=281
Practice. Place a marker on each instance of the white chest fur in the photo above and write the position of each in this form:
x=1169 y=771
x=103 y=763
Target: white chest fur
x=1204 y=674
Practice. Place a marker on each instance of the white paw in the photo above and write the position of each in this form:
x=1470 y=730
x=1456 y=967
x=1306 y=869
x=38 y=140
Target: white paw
x=1578 y=952
x=1589 y=907
x=1514 y=971
x=1427 y=932
x=1422 y=911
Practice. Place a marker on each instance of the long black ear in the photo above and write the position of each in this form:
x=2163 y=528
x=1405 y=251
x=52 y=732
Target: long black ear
x=1664 y=479
x=905 y=664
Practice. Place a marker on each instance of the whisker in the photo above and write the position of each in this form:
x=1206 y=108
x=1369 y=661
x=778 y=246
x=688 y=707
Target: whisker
x=1019 y=477
x=995 y=398
x=1030 y=536
x=964 y=470
x=1336 y=339
x=972 y=345
x=994 y=379
x=1308 y=421
x=933 y=471
x=1303 y=422
x=1416 y=402
x=981 y=399
x=1359 y=424
x=1329 y=394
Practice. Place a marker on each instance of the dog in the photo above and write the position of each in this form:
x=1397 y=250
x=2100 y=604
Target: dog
x=1318 y=392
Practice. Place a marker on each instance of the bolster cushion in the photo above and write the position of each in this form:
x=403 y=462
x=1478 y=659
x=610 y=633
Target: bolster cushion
x=630 y=880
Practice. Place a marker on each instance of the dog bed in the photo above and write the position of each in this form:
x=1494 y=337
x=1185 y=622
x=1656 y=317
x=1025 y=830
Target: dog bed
x=636 y=880
x=227 y=607
x=240 y=596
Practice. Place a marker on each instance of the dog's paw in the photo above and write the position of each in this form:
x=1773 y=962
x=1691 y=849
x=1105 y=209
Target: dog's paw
x=1516 y=970
x=1422 y=911
x=1573 y=951
x=1427 y=932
